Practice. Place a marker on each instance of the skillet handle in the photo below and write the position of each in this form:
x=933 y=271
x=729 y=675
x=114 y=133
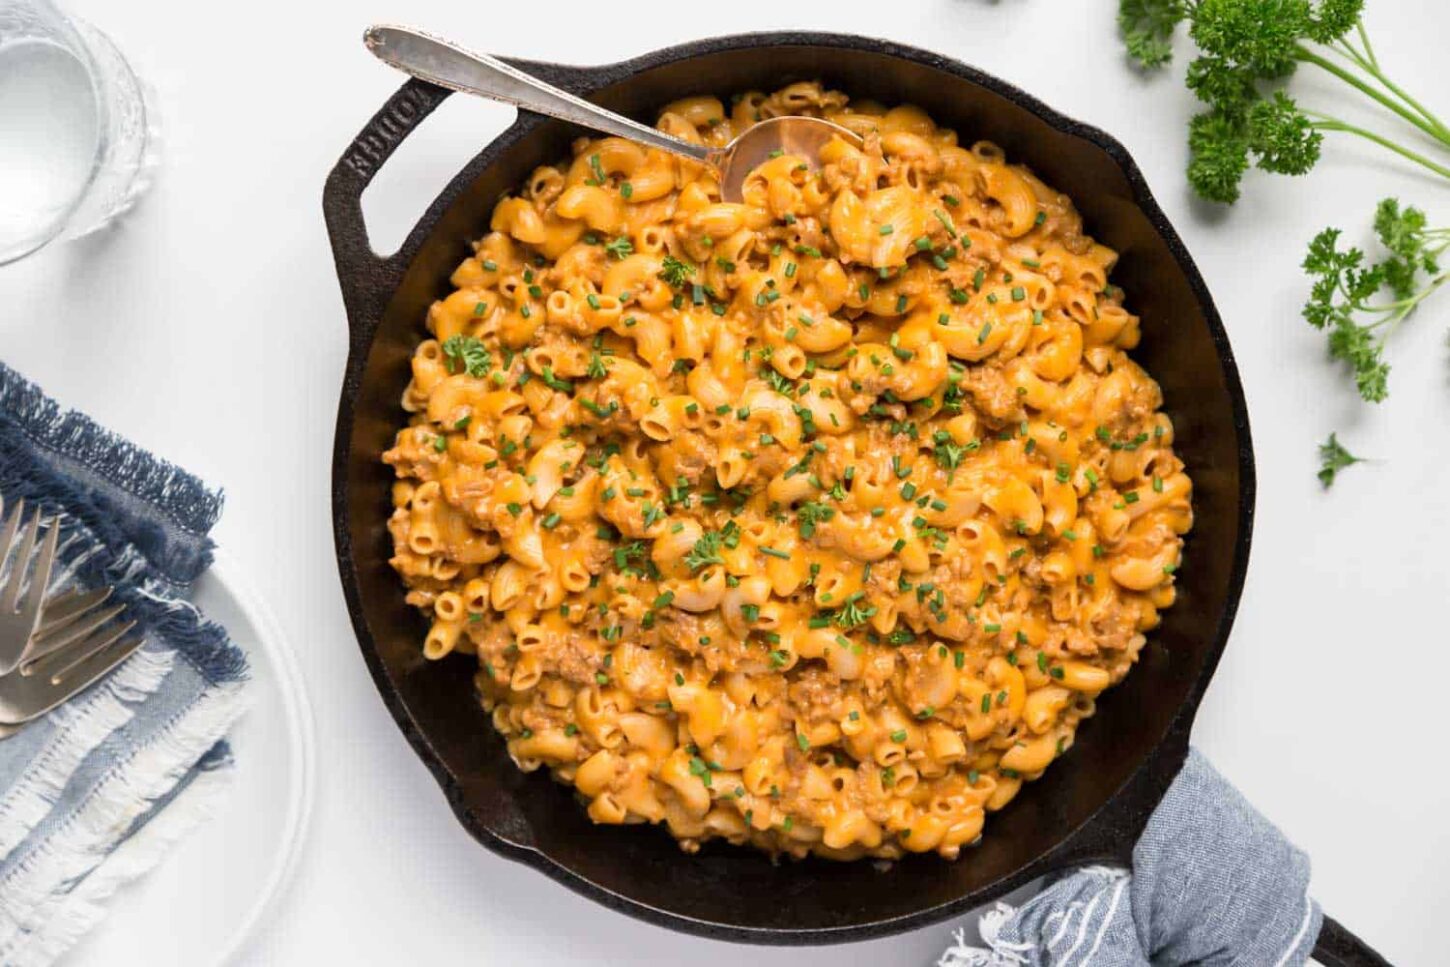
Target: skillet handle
x=1337 y=947
x=367 y=278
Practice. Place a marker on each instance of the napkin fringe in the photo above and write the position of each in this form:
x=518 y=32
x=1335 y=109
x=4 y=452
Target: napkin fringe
x=81 y=557
x=180 y=495
x=1076 y=918
x=85 y=906
x=202 y=642
x=80 y=727
x=40 y=881
x=961 y=955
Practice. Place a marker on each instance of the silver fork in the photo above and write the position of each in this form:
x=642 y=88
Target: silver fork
x=75 y=647
x=18 y=620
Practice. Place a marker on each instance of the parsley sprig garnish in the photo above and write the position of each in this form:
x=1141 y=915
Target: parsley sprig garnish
x=948 y=454
x=1245 y=43
x=853 y=613
x=1332 y=459
x=1346 y=282
x=705 y=552
x=811 y=513
x=675 y=272
x=467 y=354
x=619 y=247
x=1147 y=29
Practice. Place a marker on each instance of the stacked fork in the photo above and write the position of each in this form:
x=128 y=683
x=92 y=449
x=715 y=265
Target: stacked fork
x=50 y=651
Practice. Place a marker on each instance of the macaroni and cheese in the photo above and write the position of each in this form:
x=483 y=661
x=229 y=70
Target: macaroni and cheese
x=816 y=522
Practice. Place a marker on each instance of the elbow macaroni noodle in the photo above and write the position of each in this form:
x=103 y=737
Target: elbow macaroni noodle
x=816 y=522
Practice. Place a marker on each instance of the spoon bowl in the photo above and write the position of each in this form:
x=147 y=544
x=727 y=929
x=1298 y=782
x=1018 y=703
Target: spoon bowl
x=802 y=136
x=448 y=65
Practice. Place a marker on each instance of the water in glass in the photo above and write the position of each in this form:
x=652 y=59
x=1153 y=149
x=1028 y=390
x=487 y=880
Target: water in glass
x=77 y=135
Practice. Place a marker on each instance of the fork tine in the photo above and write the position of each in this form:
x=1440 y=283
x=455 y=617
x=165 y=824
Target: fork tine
x=102 y=661
x=68 y=607
x=11 y=597
x=11 y=524
x=40 y=581
x=53 y=639
x=58 y=663
x=78 y=677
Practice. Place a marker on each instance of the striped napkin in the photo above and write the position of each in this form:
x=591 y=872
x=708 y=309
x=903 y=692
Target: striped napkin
x=92 y=794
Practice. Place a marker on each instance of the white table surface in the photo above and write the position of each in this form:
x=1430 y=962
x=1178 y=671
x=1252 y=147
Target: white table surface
x=208 y=327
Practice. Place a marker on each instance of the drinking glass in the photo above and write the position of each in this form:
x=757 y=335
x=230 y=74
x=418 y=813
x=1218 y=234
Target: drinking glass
x=78 y=132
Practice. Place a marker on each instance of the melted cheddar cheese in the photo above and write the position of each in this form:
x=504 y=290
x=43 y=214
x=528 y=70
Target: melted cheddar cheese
x=816 y=522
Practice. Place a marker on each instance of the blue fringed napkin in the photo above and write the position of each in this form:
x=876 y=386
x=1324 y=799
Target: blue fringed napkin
x=92 y=794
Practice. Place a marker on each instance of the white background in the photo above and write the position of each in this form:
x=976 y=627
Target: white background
x=208 y=327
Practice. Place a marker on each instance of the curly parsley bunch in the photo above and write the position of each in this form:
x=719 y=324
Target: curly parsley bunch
x=1244 y=44
x=1342 y=301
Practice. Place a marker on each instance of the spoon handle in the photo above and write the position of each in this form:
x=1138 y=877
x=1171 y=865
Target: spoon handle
x=447 y=65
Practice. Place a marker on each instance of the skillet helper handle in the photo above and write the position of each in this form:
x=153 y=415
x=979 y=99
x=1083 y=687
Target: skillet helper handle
x=364 y=273
x=1337 y=947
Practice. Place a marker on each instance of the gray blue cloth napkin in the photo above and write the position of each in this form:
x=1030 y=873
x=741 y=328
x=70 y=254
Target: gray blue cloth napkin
x=1213 y=883
x=92 y=794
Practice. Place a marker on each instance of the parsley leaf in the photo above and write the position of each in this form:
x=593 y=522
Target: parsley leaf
x=852 y=614
x=619 y=247
x=674 y=272
x=1147 y=29
x=705 y=552
x=1332 y=459
x=467 y=354
x=1412 y=246
x=948 y=454
x=811 y=513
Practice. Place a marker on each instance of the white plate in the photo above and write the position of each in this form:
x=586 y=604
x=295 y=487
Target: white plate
x=203 y=902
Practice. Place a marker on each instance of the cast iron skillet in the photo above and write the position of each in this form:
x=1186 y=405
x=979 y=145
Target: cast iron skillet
x=1089 y=807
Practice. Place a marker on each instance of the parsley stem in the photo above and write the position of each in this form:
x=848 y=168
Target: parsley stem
x=1367 y=62
x=1368 y=47
x=1404 y=307
x=1430 y=126
x=1325 y=123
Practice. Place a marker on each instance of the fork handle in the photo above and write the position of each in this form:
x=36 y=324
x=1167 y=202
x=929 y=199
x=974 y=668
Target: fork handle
x=447 y=65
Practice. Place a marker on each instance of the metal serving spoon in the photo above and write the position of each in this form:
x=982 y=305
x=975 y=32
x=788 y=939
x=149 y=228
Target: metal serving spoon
x=447 y=65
